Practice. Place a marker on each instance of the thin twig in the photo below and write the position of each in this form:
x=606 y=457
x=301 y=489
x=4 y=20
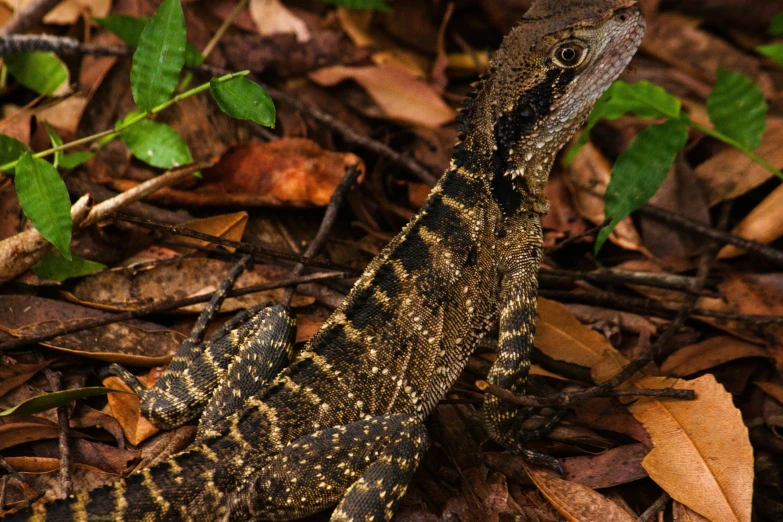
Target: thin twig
x=55 y=382
x=327 y=223
x=64 y=45
x=160 y=307
x=652 y=511
x=649 y=307
x=564 y=399
x=587 y=233
x=223 y=28
x=240 y=247
x=668 y=281
x=28 y=16
x=754 y=247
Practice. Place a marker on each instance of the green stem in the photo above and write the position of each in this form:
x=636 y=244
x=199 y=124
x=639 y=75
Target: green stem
x=130 y=122
x=726 y=139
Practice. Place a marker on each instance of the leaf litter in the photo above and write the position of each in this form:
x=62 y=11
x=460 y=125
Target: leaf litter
x=376 y=73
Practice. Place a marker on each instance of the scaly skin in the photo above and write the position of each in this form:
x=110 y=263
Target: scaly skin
x=343 y=423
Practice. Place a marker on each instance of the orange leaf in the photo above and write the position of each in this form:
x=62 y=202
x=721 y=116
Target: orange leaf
x=561 y=336
x=702 y=456
x=399 y=94
x=126 y=409
x=709 y=353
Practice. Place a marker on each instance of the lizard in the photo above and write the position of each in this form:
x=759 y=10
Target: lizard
x=282 y=434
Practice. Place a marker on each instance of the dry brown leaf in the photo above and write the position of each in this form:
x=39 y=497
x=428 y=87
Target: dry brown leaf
x=135 y=343
x=12 y=376
x=271 y=17
x=587 y=179
x=65 y=115
x=227 y=226
x=678 y=41
x=709 y=353
x=399 y=94
x=70 y=11
x=561 y=336
x=615 y=466
x=702 y=455
x=126 y=408
x=685 y=514
x=730 y=173
x=576 y=502
x=773 y=390
x=288 y=172
x=122 y=289
x=764 y=224
x=90 y=454
x=27 y=431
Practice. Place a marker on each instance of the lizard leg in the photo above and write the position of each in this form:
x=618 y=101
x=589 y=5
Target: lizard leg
x=189 y=383
x=262 y=355
x=520 y=259
x=366 y=466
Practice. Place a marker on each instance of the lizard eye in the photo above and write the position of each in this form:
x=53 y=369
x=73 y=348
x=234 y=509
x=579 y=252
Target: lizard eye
x=569 y=55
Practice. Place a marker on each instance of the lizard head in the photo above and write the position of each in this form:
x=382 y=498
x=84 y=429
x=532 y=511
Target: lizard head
x=544 y=81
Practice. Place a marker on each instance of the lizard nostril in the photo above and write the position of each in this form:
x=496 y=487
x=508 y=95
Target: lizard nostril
x=622 y=18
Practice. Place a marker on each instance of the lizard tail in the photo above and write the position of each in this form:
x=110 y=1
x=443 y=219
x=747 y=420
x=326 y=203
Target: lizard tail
x=164 y=492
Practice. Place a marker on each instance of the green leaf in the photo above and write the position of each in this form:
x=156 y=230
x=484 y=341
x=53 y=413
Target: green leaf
x=56 y=399
x=42 y=72
x=376 y=5
x=644 y=99
x=243 y=99
x=44 y=200
x=11 y=149
x=159 y=57
x=737 y=108
x=56 y=142
x=774 y=51
x=128 y=28
x=156 y=144
x=54 y=267
x=74 y=159
x=193 y=56
x=640 y=170
x=776 y=26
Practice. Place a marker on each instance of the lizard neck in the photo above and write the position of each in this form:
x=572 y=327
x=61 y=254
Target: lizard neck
x=514 y=147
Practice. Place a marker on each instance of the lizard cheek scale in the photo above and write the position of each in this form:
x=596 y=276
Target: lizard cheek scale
x=283 y=435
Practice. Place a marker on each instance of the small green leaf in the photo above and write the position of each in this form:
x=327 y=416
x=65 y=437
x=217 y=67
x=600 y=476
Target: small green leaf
x=55 y=399
x=644 y=99
x=640 y=170
x=193 y=56
x=243 y=99
x=159 y=56
x=56 y=142
x=11 y=149
x=44 y=200
x=128 y=28
x=156 y=144
x=74 y=159
x=776 y=26
x=41 y=72
x=737 y=108
x=774 y=51
x=376 y=5
x=54 y=267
